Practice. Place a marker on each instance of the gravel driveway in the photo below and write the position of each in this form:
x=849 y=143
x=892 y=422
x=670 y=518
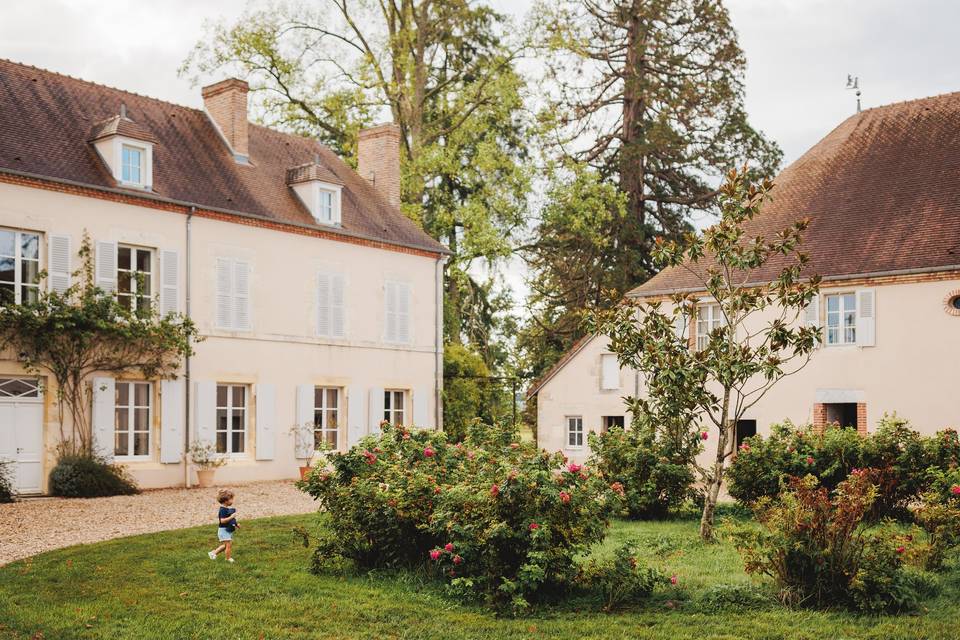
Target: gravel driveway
x=34 y=526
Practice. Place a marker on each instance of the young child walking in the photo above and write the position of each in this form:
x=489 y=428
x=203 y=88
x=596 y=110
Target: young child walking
x=226 y=525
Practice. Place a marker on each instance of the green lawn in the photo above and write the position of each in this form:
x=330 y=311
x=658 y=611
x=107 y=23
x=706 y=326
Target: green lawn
x=163 y=586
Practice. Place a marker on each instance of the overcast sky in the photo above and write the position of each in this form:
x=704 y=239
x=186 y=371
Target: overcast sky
x=799 y=52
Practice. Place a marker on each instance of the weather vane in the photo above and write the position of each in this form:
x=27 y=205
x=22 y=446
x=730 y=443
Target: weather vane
x=853 y=82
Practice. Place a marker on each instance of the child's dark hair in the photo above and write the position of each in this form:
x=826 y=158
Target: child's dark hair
x=223 y=495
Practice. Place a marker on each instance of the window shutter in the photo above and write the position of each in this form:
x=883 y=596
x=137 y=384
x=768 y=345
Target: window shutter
x=323 y=304
x=304 y=442
x=421 y=404
x=337 y=314
x=205 y=411
x=241 y=295
x=376 y=409
x=224 y=319
x=106 y=266
x=610 y=372
x=866 y=318
x=169 y=282
x=403 y=313
x=104 y=397
x=59 y=263
x=355 y=414
x=171 y=420
x=266 y=398
x=811 y=314
x=391 y=312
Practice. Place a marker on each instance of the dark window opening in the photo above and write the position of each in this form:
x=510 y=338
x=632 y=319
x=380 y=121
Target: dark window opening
x=612 y=421
x=842 y=413
x=745 y=429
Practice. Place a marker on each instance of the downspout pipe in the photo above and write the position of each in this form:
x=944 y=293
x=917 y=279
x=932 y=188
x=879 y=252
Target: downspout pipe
x=438 y=344
x=186 y=364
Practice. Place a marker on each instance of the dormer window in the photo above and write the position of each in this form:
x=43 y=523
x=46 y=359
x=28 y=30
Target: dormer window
x=132 y=165
x=318 y=189
x=126 y=148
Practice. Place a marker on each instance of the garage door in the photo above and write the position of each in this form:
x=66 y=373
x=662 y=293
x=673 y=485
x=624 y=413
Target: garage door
x=21 y=432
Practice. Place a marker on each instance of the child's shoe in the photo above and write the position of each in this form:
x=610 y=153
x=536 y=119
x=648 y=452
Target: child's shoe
x=229 y=559
x=212 y=554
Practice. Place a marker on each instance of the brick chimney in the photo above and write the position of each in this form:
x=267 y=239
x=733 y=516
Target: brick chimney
x=226 y=104
x=378 y=160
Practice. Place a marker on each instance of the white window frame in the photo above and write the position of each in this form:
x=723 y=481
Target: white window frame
x=841 y=326
x=321 y=413
x=141 y=168
x=327 y=212
x=390 y=413
x=18 y=260
x=709 y=319
x=573 y=430
x=134 y=293
x=130 y=429
x=230 y=408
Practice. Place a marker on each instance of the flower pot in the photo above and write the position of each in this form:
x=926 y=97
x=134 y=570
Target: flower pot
x=304 y=471
x=205 y=477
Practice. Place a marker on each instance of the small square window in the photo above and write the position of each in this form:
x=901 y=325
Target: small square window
x=574 y=432
x=131 y=166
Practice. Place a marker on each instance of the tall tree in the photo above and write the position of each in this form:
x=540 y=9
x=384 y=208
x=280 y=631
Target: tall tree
x=649 y=94
x=444 y=71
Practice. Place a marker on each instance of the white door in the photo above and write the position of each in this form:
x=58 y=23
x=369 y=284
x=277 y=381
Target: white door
x=21 y=432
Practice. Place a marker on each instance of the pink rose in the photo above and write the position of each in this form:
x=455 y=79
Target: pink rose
x=673 y=579
x=448 y=547
x=617 y=487
x=436 y=490
x=514 y=445
x=428 y=452
x=534 y=526
x=901 y=549
x=809 y=459
x=370 y=457
x=495 y=490
x=573 y=467
x=955 y=489
x=457 y=559
x=564 y=497
x=745 y=447
x=435 y=554
x=704 y=435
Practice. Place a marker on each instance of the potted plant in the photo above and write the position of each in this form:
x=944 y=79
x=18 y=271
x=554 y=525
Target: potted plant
x=206 y=459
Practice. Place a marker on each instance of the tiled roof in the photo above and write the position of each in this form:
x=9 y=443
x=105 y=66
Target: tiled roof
x=121 y=126
x=574 y=349
x=47 y=120
x=882 y=192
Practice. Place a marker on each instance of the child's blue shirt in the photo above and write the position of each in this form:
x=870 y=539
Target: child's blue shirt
x=230 y=524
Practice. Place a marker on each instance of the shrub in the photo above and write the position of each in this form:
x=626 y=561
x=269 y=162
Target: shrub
x=496 y=518
x=656 y=471
x=734 y=596
x=7 y=493
x=622 y=579
x=818 y=551
x=898 y=455
x=88 y=476
x=938 y=514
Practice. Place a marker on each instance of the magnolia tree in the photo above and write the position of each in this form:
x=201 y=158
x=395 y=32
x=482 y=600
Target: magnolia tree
x=73 y=334
x=762 y=337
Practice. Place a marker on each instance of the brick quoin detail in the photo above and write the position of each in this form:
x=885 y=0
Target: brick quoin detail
x=90 y=192
x=820 y=417
x=862 y=418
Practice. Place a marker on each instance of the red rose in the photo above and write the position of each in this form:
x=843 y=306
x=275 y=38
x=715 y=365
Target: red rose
x=435 y=554
x=673 y=579
x=436 y=490
x=564 y=497
x=617 y=488
x=534 y=526
x=809 y=460
x=955 y=489
x=494 y=491
x=704 y=435
x=428 y=452
x=901 y=549
x=448 y=547
x=457 y=559
x=573 y=467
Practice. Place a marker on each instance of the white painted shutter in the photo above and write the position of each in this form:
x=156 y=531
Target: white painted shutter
x=376 y=409
x=403 y=313
x=58 y=267
x=241 y=295
x=421 y=404
x=169 y=281
x=224 y=313
x=171 y=420
x=390 y=295
x=106 y=266
x=811 y=314
x=609 y=372
x=305 y=409
x=323 y=304
x=866 y=318
x=205 y=411
x=104 y=397
x=355 y=414
x=337 y=312
x=266 y=421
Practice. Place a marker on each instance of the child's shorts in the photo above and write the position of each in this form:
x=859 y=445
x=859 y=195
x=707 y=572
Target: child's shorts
x=223 y=534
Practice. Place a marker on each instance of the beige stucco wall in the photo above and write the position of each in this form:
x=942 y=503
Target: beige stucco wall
x=913 y=370
x=281 y=349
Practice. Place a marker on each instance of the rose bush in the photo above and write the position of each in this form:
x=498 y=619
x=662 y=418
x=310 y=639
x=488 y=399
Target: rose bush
x=899 y=456
x=938 y=515
x=494 y=517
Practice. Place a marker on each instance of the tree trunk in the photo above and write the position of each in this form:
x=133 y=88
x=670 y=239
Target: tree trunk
x=632 y=140
x=716 y=479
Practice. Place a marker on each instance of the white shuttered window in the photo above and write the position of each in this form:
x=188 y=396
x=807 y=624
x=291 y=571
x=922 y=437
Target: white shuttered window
x=397 y=328
x=233 y=294
x=331 y=321
x=609 y=372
